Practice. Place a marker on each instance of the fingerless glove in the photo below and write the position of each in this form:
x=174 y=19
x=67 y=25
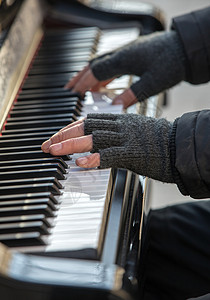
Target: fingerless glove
x=134 y=142
x=157 y=58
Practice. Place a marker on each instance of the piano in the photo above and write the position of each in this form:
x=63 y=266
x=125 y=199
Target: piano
x=65 y=232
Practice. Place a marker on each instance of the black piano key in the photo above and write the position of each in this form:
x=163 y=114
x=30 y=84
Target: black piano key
x=43 y=117
x=29 y=196
x=56 y=35
x=73 y=55
x=39 y=90
x=47 y=104
x=42 y=91
x=64 y=49
x=22 y=239
x=56 y=69
x=13 y=149
x=82 y=47
x=40 y=123
x=39 y=83
x=23 y=202
x=56 y=59
x=71 y=101
x=73 y=37
x=32 y=166
x=27 y=218
x=64 y=93
x=51 y=172
x=32 y=84
x=31 y=181
x=4 y=143
x=38 y=226
x=26 y=210
x=35 y=161
x=76 y=41
x=30 y=188
x=31 y=130
x=68 y=44
x=43 y=105
x=52 y=80
x=87 y=50
x=46 y=112
x=71 y=112
x=6 y=135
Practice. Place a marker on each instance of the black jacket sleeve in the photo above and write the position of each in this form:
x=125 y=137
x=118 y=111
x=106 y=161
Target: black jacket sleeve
x=192 y=154
x=194 y=31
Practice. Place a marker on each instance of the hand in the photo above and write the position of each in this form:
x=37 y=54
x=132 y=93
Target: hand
x=158 y=59
x=86 y=81
x=129 y=141
x=71 y=139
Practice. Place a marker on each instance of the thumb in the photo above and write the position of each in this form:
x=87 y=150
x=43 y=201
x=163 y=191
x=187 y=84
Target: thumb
x=127 y=98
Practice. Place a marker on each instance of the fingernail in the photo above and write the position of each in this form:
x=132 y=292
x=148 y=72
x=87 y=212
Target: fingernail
x=56 y=147
x=82 y=161
x=46 y=145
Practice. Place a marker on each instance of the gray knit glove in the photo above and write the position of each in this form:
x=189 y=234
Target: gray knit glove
x=157 y=58
x=134 y=142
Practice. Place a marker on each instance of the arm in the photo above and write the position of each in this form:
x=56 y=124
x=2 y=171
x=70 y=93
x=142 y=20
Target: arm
x=174 y=153
x=194 y=32
x=161 y=59
x=188 y=44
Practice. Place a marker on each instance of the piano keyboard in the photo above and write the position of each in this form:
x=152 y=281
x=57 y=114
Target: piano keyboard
x=79 y=230
x=48 y=204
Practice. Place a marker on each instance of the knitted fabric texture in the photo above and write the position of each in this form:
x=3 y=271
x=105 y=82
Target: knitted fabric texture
x=157 y=58
x=133 y=142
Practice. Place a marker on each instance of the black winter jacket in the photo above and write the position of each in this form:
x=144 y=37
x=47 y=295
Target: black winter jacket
x=190 y=139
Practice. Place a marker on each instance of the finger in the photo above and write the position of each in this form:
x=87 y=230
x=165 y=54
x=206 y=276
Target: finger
x=105 y=82
x=63 y=135
x=74 y=145
x=117 y=100
x=127 y=98
x=96 y=87
x=76 y=78
x=101 y=84
x=90 y=161
x=73 y=124
x=86 y=82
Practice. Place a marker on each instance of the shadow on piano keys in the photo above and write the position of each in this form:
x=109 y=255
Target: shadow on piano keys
x=66 y=233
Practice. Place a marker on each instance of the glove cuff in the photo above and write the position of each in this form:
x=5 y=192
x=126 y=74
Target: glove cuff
x=175 y=173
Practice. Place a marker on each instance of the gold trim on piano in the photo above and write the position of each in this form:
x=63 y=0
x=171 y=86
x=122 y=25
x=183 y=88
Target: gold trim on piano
x=17 y=52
